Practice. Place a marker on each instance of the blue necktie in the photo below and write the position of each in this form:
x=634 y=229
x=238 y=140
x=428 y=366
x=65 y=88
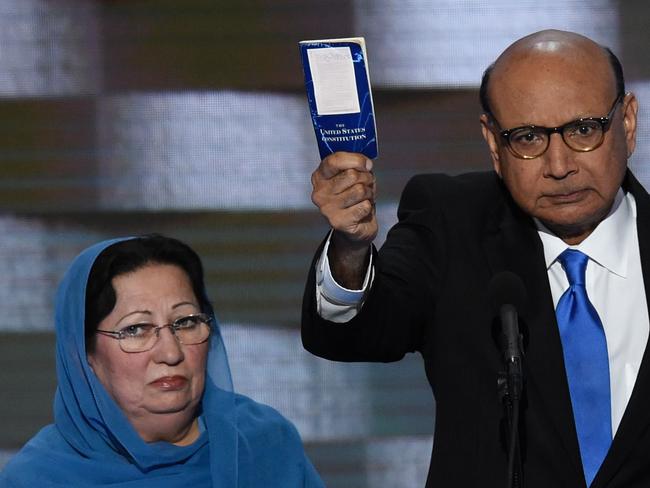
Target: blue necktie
x=587 y=364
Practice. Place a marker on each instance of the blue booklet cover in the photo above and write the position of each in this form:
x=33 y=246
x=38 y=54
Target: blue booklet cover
x=339 y=95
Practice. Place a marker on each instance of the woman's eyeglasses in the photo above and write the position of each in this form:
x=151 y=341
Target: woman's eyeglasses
x=188 y=330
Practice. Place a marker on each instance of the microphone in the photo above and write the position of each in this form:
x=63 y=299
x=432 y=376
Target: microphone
x=508 y=296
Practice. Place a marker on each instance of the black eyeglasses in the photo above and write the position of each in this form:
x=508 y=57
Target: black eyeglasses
x=188 y=330
x=582 y=135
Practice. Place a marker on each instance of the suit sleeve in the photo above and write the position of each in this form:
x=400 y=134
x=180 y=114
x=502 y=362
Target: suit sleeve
x=401 y=301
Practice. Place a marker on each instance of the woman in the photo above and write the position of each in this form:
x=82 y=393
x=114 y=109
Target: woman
x=144 y=393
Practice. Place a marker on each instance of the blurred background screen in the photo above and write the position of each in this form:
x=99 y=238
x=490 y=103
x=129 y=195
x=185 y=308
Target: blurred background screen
x=189 y=118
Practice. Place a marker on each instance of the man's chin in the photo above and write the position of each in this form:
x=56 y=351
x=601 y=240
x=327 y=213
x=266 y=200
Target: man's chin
x=570 y=230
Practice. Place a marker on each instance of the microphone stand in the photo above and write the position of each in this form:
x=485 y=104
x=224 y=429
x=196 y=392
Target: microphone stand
x=510 y=387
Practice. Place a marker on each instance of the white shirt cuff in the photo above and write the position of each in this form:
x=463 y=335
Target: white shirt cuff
x=334 y=302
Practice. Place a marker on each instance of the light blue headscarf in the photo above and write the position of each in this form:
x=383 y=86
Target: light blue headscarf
x=92 y=444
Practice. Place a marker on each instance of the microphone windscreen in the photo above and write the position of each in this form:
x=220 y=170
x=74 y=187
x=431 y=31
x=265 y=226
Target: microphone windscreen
x=506 y=288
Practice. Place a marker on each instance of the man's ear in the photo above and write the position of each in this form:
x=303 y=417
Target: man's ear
x=491 y=140
x=630 y=109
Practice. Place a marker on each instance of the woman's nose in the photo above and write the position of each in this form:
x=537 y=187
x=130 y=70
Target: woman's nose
x=167 y=348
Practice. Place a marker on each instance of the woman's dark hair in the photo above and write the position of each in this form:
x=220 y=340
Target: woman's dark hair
x=128 y=256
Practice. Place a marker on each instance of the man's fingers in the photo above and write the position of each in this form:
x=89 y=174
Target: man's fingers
x=357 y=222
x=357 y=194
x=341 y=216
x=328 y=200
x=350 y=178
x=341 y=161
x=344 y=191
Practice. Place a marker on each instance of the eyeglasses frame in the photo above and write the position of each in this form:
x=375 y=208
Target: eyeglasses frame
x=119 y=335
x=605 y=123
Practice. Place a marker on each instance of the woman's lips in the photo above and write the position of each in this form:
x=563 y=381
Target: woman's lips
x=170 y=383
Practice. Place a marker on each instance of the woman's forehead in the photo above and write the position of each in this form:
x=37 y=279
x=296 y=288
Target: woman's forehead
x=152 y=284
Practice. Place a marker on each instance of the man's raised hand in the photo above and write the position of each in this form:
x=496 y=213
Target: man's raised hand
x=344 y=192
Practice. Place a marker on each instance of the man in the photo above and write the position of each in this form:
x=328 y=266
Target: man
x=559 y=128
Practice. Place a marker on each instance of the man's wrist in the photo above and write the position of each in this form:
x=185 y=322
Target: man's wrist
x=335 y=302
x=348 y=260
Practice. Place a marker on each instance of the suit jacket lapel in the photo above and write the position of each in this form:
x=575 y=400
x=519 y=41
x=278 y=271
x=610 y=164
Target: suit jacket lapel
x=512 y=244
x=637 y=414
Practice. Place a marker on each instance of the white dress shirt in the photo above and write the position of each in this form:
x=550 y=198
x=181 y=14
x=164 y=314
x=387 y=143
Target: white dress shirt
x=614 y=283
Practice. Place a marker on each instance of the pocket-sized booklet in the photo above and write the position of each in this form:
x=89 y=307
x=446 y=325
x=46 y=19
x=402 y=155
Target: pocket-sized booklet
x=339 y=95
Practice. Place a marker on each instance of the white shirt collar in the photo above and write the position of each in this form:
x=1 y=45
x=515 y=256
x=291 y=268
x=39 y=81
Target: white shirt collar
x=607 y=245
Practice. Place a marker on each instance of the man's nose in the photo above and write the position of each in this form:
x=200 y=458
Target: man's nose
x=559 y=158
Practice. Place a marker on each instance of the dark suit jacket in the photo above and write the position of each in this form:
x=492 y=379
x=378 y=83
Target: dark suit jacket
x=430 y=295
